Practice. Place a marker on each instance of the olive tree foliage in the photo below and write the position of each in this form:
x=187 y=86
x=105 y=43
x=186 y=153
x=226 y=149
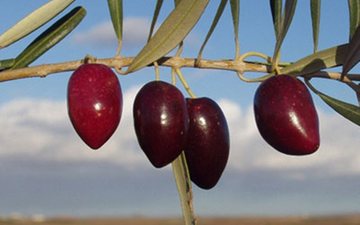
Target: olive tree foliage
x=170 y=35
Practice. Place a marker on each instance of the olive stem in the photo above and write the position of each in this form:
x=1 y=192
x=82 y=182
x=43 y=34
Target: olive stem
x=173 y=76
x=184 y=83
x=157 y=71
x=241 y=74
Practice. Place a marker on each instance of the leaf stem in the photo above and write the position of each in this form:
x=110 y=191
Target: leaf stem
x=183 y=184
x=184 y=83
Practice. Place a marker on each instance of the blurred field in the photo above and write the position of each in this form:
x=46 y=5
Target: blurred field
x=320 y=220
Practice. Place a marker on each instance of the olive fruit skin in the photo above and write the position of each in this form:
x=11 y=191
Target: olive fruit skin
x=286 y=117
x=161 y=122
x=94 y=100
x=208 y=143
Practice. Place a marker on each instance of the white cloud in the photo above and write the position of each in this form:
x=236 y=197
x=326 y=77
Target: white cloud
x=135 y=33
x=40 y=130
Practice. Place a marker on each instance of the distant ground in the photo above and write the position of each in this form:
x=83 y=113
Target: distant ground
x=318 y=220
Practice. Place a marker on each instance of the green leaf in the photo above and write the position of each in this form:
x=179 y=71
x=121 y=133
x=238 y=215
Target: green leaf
x=171 y=32
x=353 y=54
x=315 y=6
x=327 y=58
x=6 y=63
x=290 y=6
x=158 y=6
x=50 y=37
x=286 y=19
x=216 y=19
x=33 y=21
x=181 y=44
x=354 y=16
x=235 y=12
x=349 y=111
x=183 y=184
x=276 y=10
x=116 y=14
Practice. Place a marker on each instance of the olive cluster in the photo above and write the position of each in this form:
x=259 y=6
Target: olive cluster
x=166 y=123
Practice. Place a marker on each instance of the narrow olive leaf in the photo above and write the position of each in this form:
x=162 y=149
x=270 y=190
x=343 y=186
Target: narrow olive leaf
x=235 y=12
x=116 y=14
x=158 y=6
x=353 y=54
x=171 y=32
x=290 y=6
x=276 y=10
x=6 y=63
x=327 y=58
x=215 y=21
x=354 y=16
x=315 y=6
x=349 y=111
x=50 y=37
x=33 y=21
x=181 y=44
x=183 y=184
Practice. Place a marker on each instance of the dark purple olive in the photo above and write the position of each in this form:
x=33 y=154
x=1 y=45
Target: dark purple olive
x=161 y=122
x=286 y=117
x=94 y=103
x=207 y=147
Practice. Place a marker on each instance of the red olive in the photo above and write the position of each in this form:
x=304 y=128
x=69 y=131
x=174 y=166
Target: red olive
x=161 y=122
x=207 y=147
x=286 y=117
x=94 y=103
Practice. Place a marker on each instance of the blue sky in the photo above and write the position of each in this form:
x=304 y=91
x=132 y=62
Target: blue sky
x=45 y=168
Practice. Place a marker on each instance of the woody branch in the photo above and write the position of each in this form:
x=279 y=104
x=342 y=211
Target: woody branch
x=177 y=62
